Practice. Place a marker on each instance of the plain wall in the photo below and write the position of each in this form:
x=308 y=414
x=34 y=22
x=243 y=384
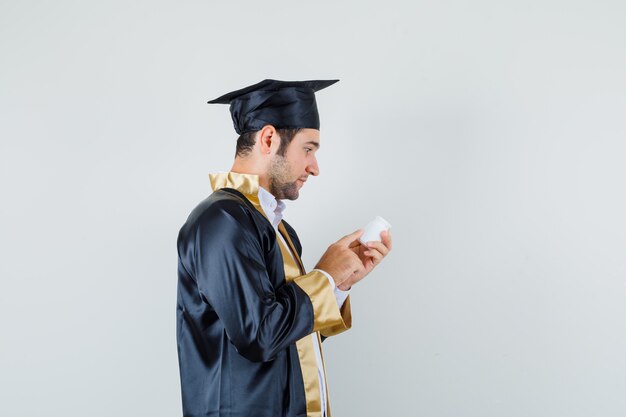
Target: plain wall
x=491 y=134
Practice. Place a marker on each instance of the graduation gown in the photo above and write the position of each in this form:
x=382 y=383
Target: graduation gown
x=246 y=311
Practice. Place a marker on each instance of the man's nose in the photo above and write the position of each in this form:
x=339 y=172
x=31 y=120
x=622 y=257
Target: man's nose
x=313 y=168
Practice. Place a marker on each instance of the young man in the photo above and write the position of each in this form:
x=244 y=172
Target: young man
x=250 y=319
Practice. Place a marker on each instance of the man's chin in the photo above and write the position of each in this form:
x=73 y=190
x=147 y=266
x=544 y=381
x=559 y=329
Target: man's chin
x=288 y=193
x=293 y=195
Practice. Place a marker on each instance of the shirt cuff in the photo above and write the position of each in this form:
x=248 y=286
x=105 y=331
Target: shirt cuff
x=339 y=294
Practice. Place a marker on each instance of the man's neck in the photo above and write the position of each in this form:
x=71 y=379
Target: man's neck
x=244 y=165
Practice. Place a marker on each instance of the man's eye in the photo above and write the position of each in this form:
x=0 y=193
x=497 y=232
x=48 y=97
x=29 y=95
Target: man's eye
x=308 y=150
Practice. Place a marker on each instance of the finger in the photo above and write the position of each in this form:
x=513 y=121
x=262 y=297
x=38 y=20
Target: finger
x=368 y=266
x=355 y=244
x=386 y=239
x=378 y=246
x=357 y=266
x=375 y=256
x=348 y=239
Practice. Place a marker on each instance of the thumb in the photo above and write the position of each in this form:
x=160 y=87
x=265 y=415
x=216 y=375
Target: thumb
x=348 y=239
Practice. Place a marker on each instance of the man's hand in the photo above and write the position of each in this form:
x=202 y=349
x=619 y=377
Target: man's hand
x=370 y=255
x=341 y=261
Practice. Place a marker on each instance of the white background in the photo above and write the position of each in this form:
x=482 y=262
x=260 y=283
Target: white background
x=491 y=134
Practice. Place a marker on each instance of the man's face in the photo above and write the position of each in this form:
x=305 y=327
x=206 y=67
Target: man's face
x=288 y=173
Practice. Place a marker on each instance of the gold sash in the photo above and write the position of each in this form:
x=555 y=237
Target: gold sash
x=306 y=350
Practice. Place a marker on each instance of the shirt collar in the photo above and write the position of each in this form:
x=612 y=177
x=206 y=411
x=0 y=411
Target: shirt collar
x=272 y=207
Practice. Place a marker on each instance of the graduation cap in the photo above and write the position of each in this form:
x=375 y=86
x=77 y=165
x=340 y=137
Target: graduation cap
x=282 y=104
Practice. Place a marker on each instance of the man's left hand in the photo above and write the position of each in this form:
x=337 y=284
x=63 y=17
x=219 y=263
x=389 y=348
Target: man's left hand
x=371 y=254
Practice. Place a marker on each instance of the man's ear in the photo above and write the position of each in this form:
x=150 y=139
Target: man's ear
x=268 y=139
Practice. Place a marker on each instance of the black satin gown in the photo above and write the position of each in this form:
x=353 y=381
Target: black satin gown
x=237 y=318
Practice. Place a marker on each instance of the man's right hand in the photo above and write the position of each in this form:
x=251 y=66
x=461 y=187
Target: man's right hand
x=340 y=261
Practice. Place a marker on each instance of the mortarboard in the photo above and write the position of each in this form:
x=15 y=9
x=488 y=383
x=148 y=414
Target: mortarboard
x=282 y=104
